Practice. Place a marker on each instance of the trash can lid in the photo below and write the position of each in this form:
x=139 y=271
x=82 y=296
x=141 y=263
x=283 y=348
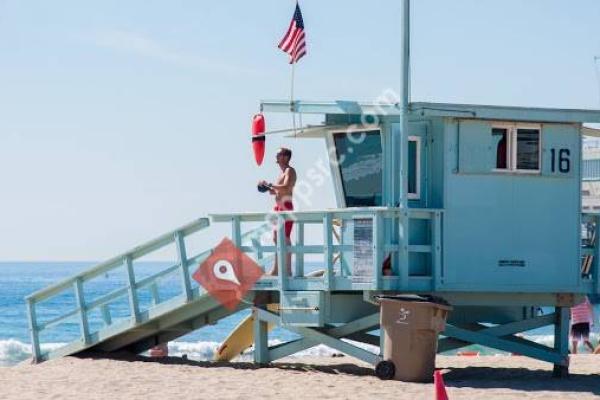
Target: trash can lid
x=414 y=298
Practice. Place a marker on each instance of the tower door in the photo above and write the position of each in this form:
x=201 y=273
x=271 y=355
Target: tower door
x=417 y=164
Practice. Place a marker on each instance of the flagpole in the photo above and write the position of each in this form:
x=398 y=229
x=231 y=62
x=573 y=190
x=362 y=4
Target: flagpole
x=292 y=106
x=400 y=177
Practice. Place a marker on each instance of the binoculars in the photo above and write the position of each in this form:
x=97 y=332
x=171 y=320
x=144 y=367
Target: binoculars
x=262 y=188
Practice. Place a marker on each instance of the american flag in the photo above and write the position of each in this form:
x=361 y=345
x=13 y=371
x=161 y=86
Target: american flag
x=294 y=41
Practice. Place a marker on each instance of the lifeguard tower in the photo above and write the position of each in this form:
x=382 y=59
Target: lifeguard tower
x=478 y=205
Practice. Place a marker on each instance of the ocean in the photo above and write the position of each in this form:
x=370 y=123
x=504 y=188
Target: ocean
x=19 y=279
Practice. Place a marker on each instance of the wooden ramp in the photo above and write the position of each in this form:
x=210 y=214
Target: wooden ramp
x=135 y=310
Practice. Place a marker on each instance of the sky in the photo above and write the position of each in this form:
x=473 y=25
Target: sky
x=120 y=121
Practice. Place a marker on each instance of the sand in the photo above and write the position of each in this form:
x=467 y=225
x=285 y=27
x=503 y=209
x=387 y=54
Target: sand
x=500 y=377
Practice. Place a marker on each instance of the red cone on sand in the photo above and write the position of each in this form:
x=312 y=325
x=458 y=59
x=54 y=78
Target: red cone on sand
x=440 y=387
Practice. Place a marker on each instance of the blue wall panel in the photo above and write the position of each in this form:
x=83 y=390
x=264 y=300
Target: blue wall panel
x=511 y=230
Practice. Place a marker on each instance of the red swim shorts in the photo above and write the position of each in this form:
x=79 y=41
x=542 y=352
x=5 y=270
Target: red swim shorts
x=285 y=206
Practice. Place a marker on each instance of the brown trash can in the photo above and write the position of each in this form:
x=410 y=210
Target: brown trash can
x=411 y=325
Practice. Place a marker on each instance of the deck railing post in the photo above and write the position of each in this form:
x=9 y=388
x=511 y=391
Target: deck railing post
x=258 y=251
x=327 y=250
x=236 y=231
x=155 y=294
x=33 y=331
x=378 y=246
x=436 y=249
x=299 y=255
x=186 y=284
x=131 y=287
x=282 y=253
x=105 y=311
x=83 y=320
x=403 y=253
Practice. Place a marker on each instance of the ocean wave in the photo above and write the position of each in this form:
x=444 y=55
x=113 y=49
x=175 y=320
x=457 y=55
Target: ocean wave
x=548 y=340
x=199 y=351
x=13 y=352
x=205 y=351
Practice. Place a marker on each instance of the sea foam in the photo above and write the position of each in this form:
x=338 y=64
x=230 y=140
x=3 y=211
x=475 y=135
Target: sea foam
x=205 y=351
x=13 y=352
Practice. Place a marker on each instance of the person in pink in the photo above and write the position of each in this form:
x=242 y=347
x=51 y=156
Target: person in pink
x=582 y=318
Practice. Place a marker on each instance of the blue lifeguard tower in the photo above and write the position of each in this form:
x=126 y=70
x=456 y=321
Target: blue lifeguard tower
x=477 y=205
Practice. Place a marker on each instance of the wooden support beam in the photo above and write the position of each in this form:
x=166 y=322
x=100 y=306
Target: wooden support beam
x=497 y=331
x=337 y=344
x=312 y=337
x=361 y=337
x=289 y=348
x=561 y=340
x=526 y=349
x=359 y=325
x=261 y=339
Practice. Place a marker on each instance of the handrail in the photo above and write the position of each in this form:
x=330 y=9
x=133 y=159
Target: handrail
x=141 y=284
x=115 y=262
x=317 y=215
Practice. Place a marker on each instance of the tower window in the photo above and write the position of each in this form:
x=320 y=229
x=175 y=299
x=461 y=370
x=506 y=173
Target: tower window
x=518 y=148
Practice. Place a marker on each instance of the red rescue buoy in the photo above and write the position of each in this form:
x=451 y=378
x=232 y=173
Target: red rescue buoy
x=258 y=138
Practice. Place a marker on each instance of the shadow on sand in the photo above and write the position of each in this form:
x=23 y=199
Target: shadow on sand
x=520 y=379
x=337 y=369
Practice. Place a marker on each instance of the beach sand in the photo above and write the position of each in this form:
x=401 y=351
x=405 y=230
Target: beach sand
x=499 y=377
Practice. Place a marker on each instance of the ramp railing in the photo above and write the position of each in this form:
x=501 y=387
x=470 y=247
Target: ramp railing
x=116 y=295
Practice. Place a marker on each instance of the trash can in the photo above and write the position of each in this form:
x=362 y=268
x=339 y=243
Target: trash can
x=410 y=325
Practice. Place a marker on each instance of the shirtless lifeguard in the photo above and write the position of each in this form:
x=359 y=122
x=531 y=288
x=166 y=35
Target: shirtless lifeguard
x=283 y=190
